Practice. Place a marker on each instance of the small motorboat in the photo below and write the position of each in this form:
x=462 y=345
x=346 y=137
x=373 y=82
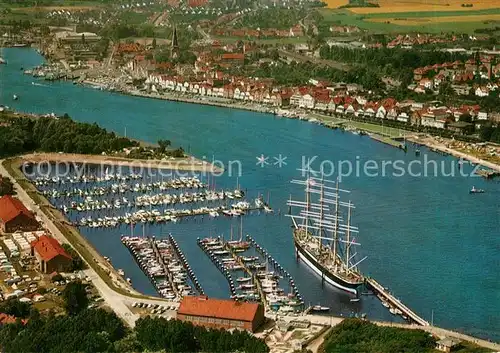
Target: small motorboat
x=476 y=191
x=15 y=97
x=354 y=300
x=417 y=152
x=319 y=308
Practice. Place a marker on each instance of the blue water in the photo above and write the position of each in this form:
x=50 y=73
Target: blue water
x=426 y=238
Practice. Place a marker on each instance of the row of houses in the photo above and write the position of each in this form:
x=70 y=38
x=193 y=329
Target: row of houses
x=329 y=100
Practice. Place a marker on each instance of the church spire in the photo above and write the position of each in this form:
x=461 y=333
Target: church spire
x=175 y=45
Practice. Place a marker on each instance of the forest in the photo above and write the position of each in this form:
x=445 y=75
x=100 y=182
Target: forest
x=22 y=135
x=393 y=62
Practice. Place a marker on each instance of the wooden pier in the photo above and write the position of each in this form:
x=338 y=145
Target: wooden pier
x=394 y=302
x=220 y=265
x=165 y=267
x=185 y=264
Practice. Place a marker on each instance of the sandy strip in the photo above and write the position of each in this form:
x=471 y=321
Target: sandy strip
x=186 y=164
x=441 y=147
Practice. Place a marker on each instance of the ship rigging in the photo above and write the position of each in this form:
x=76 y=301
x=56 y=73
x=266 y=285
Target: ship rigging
x=322 y=239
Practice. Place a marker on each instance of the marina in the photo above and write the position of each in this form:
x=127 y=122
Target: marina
x=402 y=225
x=164 y=264
x=100 y=199
x=246 y=265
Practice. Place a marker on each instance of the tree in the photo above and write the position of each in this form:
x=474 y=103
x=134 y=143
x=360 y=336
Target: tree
x=465 y=118
x=75 y=297
x=163 y=145
x=6 y=186
x=16 y=308
x=77 y=263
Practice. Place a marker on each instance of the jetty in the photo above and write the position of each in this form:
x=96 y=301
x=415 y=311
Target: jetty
x=488 y=174
x=279 y=269
x=166 y=270
x=185 y=264
x=384 y=294
x=204 y=244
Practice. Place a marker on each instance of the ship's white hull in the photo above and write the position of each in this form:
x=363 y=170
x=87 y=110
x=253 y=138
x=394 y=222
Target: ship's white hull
x=318 y=271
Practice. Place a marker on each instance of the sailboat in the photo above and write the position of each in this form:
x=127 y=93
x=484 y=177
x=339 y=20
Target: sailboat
x=238 y=245
x=322 y=240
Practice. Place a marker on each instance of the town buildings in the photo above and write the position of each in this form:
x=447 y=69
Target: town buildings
x=220 y=313
x=14 y=216
x=50 y=255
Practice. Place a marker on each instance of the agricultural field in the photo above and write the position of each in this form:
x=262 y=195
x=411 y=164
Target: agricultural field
x=428 y=22
x=419 y=21
x=392 y=6
x=334 y=4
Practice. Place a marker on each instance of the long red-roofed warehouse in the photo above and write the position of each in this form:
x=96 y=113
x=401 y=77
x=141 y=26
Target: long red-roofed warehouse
x=221 y=313
x=50 y=255
x=15 y=216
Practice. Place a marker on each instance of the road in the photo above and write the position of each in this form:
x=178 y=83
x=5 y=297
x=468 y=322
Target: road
x=116 y=301
x=120 y=303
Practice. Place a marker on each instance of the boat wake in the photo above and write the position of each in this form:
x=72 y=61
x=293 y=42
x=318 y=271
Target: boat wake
x=39 y=84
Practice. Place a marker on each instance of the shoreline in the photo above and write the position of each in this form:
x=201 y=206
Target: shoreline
x=185 y=164
x=440 y=146
x=412 y=136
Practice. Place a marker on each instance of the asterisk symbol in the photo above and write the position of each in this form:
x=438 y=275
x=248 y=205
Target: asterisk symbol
x=280 y=160
x=262 y=161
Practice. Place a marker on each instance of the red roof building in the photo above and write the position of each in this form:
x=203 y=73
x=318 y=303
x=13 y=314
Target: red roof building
x=15 y=216
x=238 y=58
x=51 y=255
x=9 y=319
x=221 y=313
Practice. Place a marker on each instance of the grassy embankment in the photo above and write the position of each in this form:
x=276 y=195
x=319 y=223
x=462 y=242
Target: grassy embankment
x=84 y=248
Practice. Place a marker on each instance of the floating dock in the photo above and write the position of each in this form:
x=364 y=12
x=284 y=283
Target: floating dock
x=278 y=268
x=394 y=302
x=184 y=262
x=219 y=264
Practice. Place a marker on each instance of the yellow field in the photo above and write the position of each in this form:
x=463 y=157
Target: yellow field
x=333 y=4
x=425 y=5
x=418 y=21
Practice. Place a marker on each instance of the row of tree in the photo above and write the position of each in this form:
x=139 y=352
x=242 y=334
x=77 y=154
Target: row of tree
x=6 y=186
x=22 y=135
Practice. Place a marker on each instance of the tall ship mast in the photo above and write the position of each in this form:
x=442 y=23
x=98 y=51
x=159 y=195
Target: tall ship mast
x=323 y=235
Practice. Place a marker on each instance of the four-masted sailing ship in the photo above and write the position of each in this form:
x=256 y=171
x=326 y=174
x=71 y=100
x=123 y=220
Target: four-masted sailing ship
x=322 y=239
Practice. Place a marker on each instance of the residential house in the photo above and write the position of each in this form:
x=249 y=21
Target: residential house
x=307 y=101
